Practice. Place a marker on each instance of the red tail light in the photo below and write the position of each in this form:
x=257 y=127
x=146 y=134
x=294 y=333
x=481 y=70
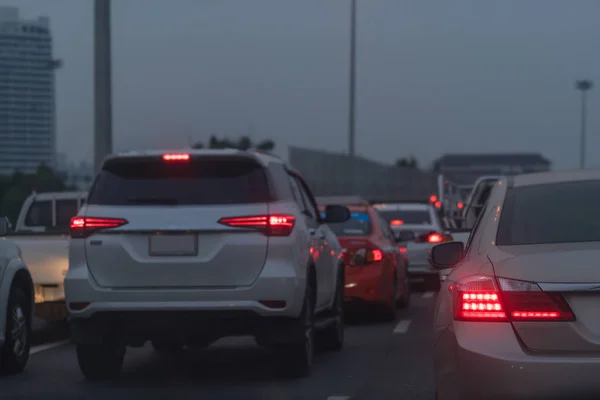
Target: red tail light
x=82 y=227
x=272 y=225
x=433 y=198
x=365 y=256
x=434 y=237
x=479 y=299
x=176 y=157
x=438 y=204
x=396 y=222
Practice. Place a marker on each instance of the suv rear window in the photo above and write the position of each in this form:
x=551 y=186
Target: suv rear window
x=408 y=217
x=563 y=212
x=199 y=181
x=359 y=224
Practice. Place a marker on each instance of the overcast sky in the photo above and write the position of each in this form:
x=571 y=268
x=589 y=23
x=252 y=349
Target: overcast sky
x=433 y=76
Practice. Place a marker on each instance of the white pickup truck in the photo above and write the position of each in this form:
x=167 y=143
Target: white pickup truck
x=42 y=234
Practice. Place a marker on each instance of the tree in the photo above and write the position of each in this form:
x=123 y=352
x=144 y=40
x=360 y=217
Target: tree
x=243 y=143
x=14 y=189
x=410 y=162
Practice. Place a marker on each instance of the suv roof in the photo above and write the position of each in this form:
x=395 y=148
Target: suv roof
x=264 y=158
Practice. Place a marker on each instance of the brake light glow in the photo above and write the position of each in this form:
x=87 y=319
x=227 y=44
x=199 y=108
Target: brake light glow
x=433 y=198
x=82 y=227
x=272 y=225
x=460 y=205
x=438 y=204
x=376 y=255
x=434 y=238
x=478 y=298
x=176 y=157
x=396 y=222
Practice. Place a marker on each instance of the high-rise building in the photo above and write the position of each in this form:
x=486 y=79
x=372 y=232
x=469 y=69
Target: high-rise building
x=27 y=98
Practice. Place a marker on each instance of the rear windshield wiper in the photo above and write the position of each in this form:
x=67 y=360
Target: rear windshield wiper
x=153 y=200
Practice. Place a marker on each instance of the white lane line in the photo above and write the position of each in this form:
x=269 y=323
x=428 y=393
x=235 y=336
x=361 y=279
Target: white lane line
x=338 y=398
x=402 y=326
x=428 y=295
x=44 y=347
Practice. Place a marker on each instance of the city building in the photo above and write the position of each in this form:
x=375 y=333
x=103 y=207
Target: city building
x=466 y=168
x=27 y=97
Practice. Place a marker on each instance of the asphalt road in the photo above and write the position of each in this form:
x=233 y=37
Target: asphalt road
x=380 y=361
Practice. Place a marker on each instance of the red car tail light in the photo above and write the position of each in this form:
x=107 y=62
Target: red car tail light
x=82 y=227
x=363 y=257
x=478 y=298
x=272 y=225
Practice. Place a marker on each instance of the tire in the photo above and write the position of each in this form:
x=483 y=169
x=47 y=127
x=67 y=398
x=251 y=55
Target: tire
x=100 y=362
x=15 y=352
x=297 y=357
x=166 y=346
x=404 y=302
x=332 y=337
x=389 y=311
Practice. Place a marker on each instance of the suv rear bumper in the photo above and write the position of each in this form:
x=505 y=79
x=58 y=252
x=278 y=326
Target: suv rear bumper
x=136 y=327
x=81 y=288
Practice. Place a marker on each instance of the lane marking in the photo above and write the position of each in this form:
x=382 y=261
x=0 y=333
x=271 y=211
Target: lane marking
x=338 y=398
x=428 y=295
x=402 y=326
x=44 y=347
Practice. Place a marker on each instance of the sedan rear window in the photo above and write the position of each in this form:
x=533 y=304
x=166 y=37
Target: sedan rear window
x=200 y=181
x=359 y=224
x=563 y=212
x=406 y=217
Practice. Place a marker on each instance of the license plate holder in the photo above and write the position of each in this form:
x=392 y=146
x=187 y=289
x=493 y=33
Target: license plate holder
x=173 y=245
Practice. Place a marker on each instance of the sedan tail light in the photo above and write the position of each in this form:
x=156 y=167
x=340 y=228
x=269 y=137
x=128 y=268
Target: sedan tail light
x=480 y=298
x=434 y=237
x=363 y=257
x=82 y=227
x=271 y=225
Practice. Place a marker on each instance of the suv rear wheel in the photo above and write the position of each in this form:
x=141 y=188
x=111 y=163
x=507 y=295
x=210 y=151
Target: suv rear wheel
x=100 y=362
x=332 y=337
x=297 y=357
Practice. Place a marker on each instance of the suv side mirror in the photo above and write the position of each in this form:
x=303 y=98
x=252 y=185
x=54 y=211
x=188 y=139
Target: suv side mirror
x=5 y=226
x=446 y=255
x=404 y=236
x=336 y=214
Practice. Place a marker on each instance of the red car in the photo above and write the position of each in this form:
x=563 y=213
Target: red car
x=376 y=268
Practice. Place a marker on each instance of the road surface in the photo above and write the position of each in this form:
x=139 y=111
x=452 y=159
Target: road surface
x=380 y=361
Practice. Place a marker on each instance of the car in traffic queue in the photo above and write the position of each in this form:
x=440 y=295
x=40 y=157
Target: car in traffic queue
x=376 y=268
x=184 y=248
x=16 y=305
x=418 y=227
x=518 y=316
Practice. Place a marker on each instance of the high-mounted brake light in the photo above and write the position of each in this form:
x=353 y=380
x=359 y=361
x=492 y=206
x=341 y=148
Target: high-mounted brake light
x=176 y=157
x=82 y=227
x=272 y=225
x=396 y=222
x=478 y=298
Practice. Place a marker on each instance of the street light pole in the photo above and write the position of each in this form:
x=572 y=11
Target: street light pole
x=102 y=83
x=351 y=119
x=583 y=86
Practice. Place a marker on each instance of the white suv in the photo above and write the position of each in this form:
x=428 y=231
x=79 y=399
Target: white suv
x=185 y=248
